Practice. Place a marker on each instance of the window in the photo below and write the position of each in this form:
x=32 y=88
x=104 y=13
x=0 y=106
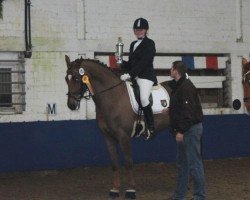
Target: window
x=12 y=84
x=5 y=87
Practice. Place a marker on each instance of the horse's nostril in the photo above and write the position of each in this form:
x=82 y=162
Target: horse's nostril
x=72 y=106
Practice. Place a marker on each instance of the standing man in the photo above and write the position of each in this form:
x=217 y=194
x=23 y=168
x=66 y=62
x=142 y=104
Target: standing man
x=185 y=118
x=140 y=68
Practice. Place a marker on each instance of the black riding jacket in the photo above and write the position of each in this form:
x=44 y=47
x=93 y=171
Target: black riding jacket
x=185 y=107
x=140 y=62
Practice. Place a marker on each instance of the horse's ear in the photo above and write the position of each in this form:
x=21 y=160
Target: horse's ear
x=244 y=61
x=67 y=60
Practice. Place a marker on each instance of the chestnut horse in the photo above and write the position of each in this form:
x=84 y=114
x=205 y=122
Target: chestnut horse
x=246 y=83
x=114 y=114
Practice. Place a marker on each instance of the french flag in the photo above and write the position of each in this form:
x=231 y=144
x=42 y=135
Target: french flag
x=204 y=62
x=212 y=62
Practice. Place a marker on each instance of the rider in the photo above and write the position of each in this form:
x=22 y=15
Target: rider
x=140 y=68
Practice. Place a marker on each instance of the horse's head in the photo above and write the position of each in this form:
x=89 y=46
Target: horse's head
x=246 y=82
x=245 y=71
x=76 y=88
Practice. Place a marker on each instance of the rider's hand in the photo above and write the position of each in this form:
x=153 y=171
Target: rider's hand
x=125 y=77
x=116 y=57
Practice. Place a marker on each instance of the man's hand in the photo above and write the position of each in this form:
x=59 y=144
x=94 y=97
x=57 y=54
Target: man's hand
x=165 y=111
x=125 y=77
x=179 y=137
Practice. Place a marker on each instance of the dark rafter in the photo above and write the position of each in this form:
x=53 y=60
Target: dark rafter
x=1 y=9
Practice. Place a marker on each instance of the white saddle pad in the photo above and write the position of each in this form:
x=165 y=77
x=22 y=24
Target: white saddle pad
x=160 y=98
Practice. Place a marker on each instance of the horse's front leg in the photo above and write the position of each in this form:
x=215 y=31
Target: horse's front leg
x=111 y=144
x=112 y=148
x=125 y=143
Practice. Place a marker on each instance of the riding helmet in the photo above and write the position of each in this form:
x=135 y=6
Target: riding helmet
x=141 y=23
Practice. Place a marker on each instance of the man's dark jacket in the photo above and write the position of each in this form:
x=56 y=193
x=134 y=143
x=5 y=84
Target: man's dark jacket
x=140 y=62
x=185 y=107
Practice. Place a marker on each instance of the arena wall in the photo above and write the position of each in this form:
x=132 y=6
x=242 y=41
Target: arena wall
x=29 y=146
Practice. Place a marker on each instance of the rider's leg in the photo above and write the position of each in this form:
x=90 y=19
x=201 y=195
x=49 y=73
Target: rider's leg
x=145 y=90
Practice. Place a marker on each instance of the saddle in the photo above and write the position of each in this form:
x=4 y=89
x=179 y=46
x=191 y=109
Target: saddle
x=159 y=99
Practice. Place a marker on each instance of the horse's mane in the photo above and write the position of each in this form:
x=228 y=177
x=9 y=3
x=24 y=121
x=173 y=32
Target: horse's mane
x=246 y=66
x=78 y=62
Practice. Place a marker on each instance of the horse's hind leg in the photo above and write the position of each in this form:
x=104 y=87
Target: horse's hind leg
x=112 y=148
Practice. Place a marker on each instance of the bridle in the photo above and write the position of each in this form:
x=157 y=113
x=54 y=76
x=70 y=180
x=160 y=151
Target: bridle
x=244 y=77
x=85 y=82
x=78 y=96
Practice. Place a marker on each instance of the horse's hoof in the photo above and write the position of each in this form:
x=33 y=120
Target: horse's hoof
x=113 y=194
x=130 y=194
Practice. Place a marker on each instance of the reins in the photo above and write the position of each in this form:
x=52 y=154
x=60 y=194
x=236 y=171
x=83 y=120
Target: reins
x=112 y=87
x=85 y=80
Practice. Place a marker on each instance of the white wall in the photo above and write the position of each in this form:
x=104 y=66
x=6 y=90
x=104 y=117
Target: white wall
x=81 y=27
x=12 y=26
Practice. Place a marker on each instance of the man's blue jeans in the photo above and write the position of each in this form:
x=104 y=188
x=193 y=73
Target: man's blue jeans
x=189 y=163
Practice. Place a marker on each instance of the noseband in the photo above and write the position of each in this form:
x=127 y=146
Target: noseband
x=75 y=96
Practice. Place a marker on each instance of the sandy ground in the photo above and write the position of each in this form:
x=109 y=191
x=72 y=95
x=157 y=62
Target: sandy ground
x=227 y=179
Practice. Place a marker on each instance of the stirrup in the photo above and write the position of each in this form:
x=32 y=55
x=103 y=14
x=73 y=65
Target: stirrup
x=138 y=130
x=147 y=135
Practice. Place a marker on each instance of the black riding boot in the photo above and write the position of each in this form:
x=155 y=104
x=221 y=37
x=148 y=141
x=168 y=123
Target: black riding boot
x=149 y=119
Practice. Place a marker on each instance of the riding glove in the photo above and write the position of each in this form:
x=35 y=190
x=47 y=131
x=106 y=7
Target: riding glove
x=125 y=77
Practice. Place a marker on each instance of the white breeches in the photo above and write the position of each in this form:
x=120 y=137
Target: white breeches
x=145 y=86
